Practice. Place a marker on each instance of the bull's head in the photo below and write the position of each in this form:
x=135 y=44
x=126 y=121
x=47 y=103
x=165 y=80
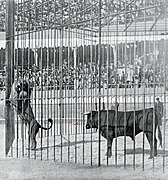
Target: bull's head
x=92 y=119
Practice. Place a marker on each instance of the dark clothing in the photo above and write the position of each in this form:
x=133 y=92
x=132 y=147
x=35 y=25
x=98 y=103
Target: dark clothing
x=159 y=107
x=116 y=105
x=159 y=110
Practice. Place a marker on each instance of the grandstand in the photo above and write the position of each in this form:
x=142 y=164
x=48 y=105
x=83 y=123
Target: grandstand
x=40 y=14
x=2 y=15
x=36 y=15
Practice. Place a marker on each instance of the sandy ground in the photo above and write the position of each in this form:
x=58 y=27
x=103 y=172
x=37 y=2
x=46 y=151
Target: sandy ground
x=2 y=140
x=24 y=168
x=75 y=148
x=36 y=169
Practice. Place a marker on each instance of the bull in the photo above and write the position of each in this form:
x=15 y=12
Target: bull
x=124 y=123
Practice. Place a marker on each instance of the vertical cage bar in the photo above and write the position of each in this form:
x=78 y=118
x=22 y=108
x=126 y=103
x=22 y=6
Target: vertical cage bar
x=83 y=91
x=16 y=63
x=76 y=52
x=144 y=94
x=49 y=88
x=69 y=83
x=91 y=106
x=23 y=130
x=154 y=146
x=27 y=67
x=115 y=49
x=34 y=71
x=165 y=88
x=135 y=93
x=99 y=79
x=41 y=78
x=54 y=82
x=125 y=83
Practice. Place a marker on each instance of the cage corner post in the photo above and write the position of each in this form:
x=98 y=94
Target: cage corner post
x=9 y=62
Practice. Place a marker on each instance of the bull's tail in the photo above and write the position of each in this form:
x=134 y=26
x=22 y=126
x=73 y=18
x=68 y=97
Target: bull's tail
x=160 y=136
x=158 y=126
x=47 y=128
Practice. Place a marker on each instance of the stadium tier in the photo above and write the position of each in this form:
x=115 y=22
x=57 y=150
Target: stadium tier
x=41 y=14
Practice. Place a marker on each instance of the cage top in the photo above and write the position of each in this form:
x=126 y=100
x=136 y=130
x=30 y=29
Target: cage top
x=121 y=16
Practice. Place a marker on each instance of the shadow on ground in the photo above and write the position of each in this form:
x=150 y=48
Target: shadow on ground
x=146 y=151
x=68 y=143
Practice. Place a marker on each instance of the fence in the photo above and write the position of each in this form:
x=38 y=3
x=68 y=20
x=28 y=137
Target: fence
x=80 y=56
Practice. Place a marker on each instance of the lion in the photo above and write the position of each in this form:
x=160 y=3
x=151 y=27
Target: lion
x=20 y=99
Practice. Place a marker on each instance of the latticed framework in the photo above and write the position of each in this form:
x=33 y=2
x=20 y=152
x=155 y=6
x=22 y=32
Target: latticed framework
x=83 y=55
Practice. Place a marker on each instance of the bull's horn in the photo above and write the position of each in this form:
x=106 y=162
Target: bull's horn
x=86 y=113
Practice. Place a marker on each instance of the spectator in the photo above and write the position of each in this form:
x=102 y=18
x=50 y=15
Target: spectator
x=159 y=109
x=123 y=77
x=115 y=106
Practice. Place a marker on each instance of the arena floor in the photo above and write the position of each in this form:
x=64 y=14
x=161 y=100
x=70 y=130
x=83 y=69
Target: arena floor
x=77 y=148
x=24 y=168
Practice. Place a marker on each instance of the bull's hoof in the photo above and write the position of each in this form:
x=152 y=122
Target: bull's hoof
x=150 y=157
x=109 y=155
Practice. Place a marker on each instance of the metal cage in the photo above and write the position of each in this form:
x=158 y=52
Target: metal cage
x=80 y=56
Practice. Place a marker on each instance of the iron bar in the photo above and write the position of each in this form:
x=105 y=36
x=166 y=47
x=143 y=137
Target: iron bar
x=99 y=79
x=165 y=104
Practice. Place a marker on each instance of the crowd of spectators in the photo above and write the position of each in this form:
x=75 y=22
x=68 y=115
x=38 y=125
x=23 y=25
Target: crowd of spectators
x=42 y=14
x=86 y=76
x=2 y=15
x=42 y=66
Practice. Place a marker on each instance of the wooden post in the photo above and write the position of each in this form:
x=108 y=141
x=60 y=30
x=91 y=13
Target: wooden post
x=9 y=112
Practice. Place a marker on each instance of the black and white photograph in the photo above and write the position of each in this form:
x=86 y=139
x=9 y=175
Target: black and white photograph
x=83 y=89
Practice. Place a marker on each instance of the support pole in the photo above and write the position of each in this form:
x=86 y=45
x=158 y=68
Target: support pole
x=9 y=112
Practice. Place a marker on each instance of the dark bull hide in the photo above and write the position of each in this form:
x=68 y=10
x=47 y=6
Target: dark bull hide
x=109 y=124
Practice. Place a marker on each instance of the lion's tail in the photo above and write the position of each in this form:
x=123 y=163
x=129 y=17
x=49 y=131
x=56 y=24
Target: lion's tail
x=47 y=128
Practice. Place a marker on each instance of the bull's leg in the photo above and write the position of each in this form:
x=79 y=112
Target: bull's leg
x=108 y=134
x=160 y=135
x=150 y=140
x=109 y=145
